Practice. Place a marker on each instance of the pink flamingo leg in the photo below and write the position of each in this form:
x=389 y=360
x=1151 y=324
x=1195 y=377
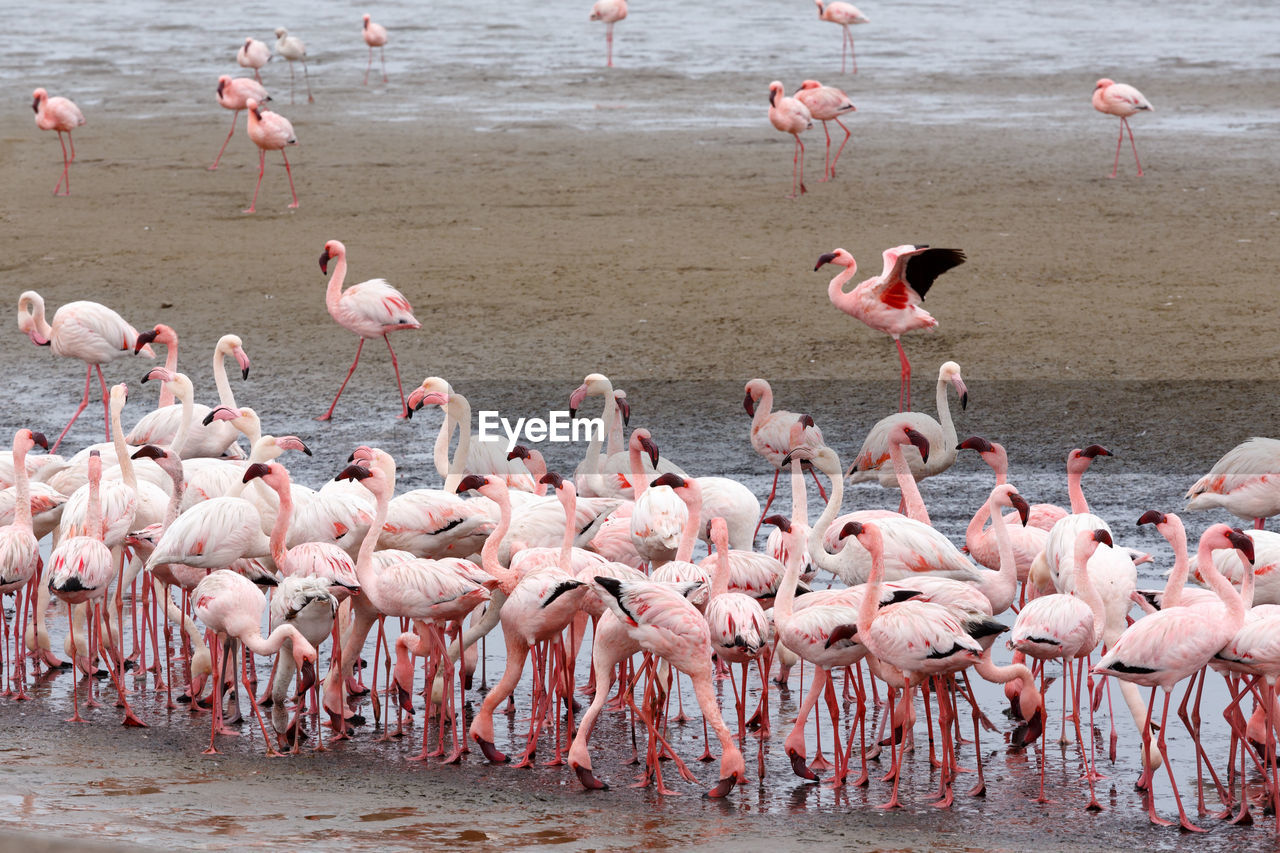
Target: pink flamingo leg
x=904 y=391
x=847 y=133
x=368 y=67
x=382 y=57
x=329 y=414
x=772 y=492
x=797 y=168
x=1123 y=121
x=826 y=160
x=853 y=56
x=262 y=167
x=216 y=160
x=289 y=173
x=1116 y=166
x=404 y=407
x=608 y=40
x=66 y=165
x=88 y=378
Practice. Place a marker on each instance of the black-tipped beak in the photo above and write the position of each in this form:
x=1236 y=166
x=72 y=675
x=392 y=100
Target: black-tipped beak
x=806 y=421
x=552 y=479
x=354 y=472
x=307 y=677
x=651 y=448
x=144 y=338
x=257 y=469
x=675 y=481
x=148 y=451
x=1103 y=537
x=920 y=442
x=518 y=452
x=823 y=260
x=1094 y=450
x=779 y=521
x=1021 y=505
x=1242 y=543
x=1152 y=516
x=470 y=482
x=964 y=401
x=324 y=261
x=975 y=442
x=40 y=440
x=750 y=405
x=851 y=528
x=244 y=373
x=625 y=408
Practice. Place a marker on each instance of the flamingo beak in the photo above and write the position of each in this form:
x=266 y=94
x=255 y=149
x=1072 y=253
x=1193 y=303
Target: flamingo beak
x=1103 y=537
x=1095 y=450
x=575 y=399
x=307 y=678
x=652 y=449
x=823 y=260
x=243 y=360
x=920 y=442
x=1021 y=505
x=959 y=385
x=1242 y=543
x=779 y=521
x=977 y=443
x=40 y=440
x=852 y=528
x=625 y=408
x=144 y=338
x=1151 y=516
x=324 y=260
x=470 y=482
x=750 y=405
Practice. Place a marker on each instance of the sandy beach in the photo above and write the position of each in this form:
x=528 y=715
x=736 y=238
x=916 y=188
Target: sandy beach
x=1139 y=310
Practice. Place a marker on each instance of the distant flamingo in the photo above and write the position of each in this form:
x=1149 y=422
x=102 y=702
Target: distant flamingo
x=371 y=309
x=826 y=103
x=292 y=49
x=63 y=116
x=375 y=35
x=891 y=301
x=790 y=115
x=1245 y=482
x=844 y=14
x=253 y=54
x=270 y=132
x=1120 y=99
x=609 y=11
x=85 y=330
x=233 y=94
x=771 y=432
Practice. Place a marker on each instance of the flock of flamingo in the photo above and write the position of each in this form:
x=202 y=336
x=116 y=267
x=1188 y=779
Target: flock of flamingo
x=911 y=623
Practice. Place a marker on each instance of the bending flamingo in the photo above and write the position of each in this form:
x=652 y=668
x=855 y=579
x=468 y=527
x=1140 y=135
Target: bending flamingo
x=826 y=103
x=1245 y=482
x=253 y=54
x=371 y=309
x=234 y=94
x=892 y=301
x=270 y=132
x=771 y=432
x=844 y=14
x=61 y=115
x=375 y=35
x=1120 y=99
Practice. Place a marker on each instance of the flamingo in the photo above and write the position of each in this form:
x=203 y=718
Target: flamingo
x=609 y=476
x=1120 y=99
x=869 y=463
x=19 y=555
x=771 y=432
x=233 y=94
x=85 y=330
x=658 y=516
x=62 y=115
x=1245 y=482
x=1043 y=516
x=471 y=455
x=826 y=103
x=270 y=132
x=371 y=309
x=609 y=11
x=375 y=35
x=891 y=301
x=231 y=606
x=308 y=605
x=790 y=115
x=292 y=49
x=1163 y=648
x=253 y=54
x=844 y=14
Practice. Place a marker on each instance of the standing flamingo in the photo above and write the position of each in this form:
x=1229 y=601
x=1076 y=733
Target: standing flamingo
x=85 y=330
x=891 y=301
x=609 y=11
x=375 y=35
x=253 y=54
x=771 y=432
x=844 y=14
x=371 y=309
x=234 y=94
x=62 y=115
x=790 y=115
x=292 y=49
x=1120 y=99
x=19 y=556
x=1245 y=482
x=270 y=132
x=826 y=103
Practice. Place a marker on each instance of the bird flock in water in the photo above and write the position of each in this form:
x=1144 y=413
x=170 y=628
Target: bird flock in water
x=177 y=503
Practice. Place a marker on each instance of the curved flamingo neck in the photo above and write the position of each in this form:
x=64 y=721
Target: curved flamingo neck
x=693 y=500
x=22 y=488
x=93 y=509
x=764 y=408
x=1079 y=505
x=639 y=481
x=1001 y=464
x=225 y=395
x=973 y=533
x=171 y=365
x=365 y=575
x=593 y=446
x=271 y=644
x=458 y=413
x=1004 y=586
x=279 y=530
x=871 y=597
x=910 y=490
x=817 y=553
x=333 y=292
x=507 y=579
x=944 y=415
x=835 y=288
x=537 y=466
x=1229 y=594
x=784 y=601
x=720 y=579
x=1177 y=538
x=122 y=450
x=38 y=318
x=184 y=424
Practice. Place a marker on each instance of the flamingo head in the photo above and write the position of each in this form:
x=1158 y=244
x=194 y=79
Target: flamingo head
x=1079 y=460
x=232 y=345
x=223 y=82
x=779 y=521
x=675 y=481
x=755 y=389
x=1241 y=542
x=866 y=532
x=839 y=257
x=950 y=372
x=904 y=434
x=38 y=97
x=31 y=317
x=354 y=472
x=281 y=32
x=251 y=104
x=304 y=657
x=332 y=249
x=555 y=481
x=1104 y=83
x=366 y=22
x=1152 y=516
x=1008 y=496
x=594 y=385
x=292 y=442
x=163 y=374
x=518 y=452
x=433 y=391
x=25 y=439
x=818 y=3
x=201 y=669
x=775 y=91
x=992 y=453
x=649 y=446
x=149 y=451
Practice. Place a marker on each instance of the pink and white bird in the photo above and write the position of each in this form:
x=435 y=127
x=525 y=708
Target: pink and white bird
x=371 y=309
x=844 y=14
x=1120 y=99
x=234 y=94
x=790 y=115
x=609 y=11
x=771 y=432
x=892 y=301
x=253 y=54
x=293 y=50
x=89 y=331
x=1245 y=482
x=826 y=103
x=62 y=115
x=375 y=35
x=270 y=132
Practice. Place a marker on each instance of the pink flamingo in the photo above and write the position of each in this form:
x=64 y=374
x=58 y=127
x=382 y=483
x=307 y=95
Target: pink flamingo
x=371 y=309
x=1245 y=482
x=790 y=115
x=771 y=432
x=293 y=50
x=1164 y=648
x=375 y=35
x=826 y=103
x=19 y=556
x=62 y=115
x=85 y=330
x=891 y=301
x=609 y=11
x=844 y=14
x=253 y=54
x=1120 y=99
x=1043 y=516
x=270 y=132
x=230 y=605
x=234 y=94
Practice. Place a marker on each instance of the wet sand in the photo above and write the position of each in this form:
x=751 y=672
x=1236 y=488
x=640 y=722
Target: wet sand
x=1139 y=311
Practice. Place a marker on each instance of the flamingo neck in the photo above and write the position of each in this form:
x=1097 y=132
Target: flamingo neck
x=171 y=365
x=684 y=553
x=537 y=466
x=1079 y=505
x=593 y=446
x=973 y=533
x=944 y=417
x=764 y=408
x=122 y=450
x=1001 y=466
x=871 y=597
x=615 y=434
x=333 y=293
x=22 y=488
x=184 y=424
x=1089 y=594
x=279 y=530
x=507 y=579
x=799 y=495
x=639 y=481
x=1004 y=586
x=271 y=644
x=817 y=553
x=784 y=601
x=1181 y=568
x=37 y=316
x=1229 y=594
x=225 y=395
x=720 y=580
x=93 y=509
x=458 y=413
x=569 y=501
x=365 y=575
x=175 y=498
x=907 y=483
x=835 y=288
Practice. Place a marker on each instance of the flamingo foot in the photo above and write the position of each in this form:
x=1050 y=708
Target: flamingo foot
x=589 y=780
x=454 y=757
x=820 y=763
x=1094 y=805
x=131 y=720
x=978 y=790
